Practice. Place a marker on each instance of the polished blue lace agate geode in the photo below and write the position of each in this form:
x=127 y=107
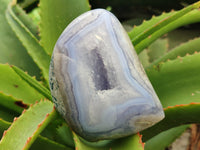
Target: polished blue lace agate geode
x=97 y=82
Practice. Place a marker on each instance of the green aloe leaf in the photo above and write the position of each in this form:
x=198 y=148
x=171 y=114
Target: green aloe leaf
x=157 y=49
x=11 y=103
x=12 y=84
x=33 y=82
x=143 y=35
x=144 y=58
x=12 y=51
x=27 y=21
x=177 y=81
x=55 y=16
x=165 y=138
x=182 y=35
x=59 y=132
x=133 y=142
x=64 y=135
x=32 y=45
x=41 y=143
x=175 y=116
x=35 y=15
x=187 y=48
x=28 y=126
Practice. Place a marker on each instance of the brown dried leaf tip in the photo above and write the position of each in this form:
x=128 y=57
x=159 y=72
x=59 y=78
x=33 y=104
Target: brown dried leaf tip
x=21 y=104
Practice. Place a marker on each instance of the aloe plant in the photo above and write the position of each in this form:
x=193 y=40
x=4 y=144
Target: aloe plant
x=28 y=119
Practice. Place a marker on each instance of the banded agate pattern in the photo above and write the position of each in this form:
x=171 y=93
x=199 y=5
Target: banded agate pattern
x=97 y=82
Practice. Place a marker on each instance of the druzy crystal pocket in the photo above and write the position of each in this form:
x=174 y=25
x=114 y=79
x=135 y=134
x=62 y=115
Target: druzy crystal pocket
x=97 y=82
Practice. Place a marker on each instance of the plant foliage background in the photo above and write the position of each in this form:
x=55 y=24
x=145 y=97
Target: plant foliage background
x=168 y=46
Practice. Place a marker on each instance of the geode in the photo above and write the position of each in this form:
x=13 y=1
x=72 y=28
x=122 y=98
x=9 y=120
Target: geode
x=97 y=82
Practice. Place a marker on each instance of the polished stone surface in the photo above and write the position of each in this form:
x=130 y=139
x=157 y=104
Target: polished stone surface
x=97 y=82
